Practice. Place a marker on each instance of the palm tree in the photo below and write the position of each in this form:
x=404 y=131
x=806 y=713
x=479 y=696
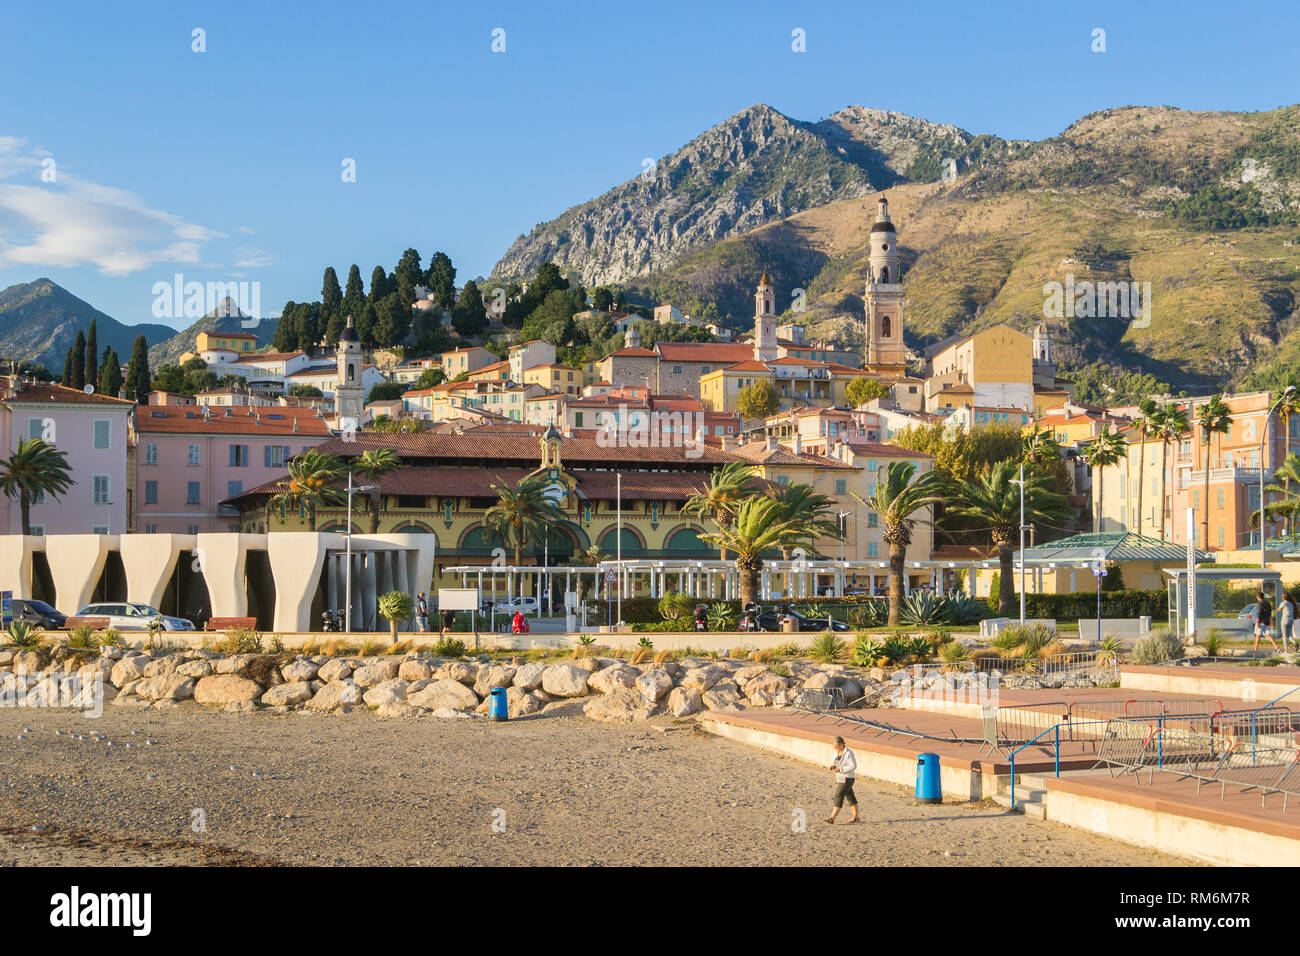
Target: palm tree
x=1214 y=419
x=758 y=524
x=35 y=469
x=522 y=514
x=373 y=465
x=1288 y=405
x=312 y=485
x=1147 y=411
x=1169 y=425
x=727 y=486
x=1106 y=450
x=993 y=499
x=1288 y=503
x=808 y=509
x=896 y=501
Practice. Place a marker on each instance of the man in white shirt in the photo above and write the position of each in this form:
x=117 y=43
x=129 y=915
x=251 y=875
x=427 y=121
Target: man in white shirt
x=844 y=765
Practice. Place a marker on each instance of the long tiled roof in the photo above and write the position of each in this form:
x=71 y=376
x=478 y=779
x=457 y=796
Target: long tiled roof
x=241 y=420
x=49 y=393
x=511 y=446
x=720 y=352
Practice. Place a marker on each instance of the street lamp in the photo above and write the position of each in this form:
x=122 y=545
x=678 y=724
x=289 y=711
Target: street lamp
x=1262 y=442
x=844 y=527
x=347 y=569
x=1021 y=482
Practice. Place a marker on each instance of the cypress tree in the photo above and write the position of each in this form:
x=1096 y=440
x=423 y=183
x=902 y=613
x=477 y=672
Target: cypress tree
x=92 y=354
x=379 y=286
x=79 y=361
x=67 y=368
x=110 y=374
x=137 y=371
x=441 y=279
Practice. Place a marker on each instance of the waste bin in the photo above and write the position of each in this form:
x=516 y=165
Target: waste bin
x=789 y=626
x=927 y=779
x=499 y=711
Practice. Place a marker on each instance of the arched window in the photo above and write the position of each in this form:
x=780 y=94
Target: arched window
x=884 y=274
x=886 y=327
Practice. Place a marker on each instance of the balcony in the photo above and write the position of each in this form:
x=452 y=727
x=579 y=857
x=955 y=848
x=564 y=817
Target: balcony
x=1234 y=475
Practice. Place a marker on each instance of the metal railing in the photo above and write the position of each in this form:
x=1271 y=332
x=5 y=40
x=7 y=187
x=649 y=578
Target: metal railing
x=1014 y=725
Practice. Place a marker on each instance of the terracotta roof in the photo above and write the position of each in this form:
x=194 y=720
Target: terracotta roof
x=759 y=452
x=242 y=420
x=511 y=446
x=48 y=392
x=720 y=352
x=634 y=353
x=639 y=485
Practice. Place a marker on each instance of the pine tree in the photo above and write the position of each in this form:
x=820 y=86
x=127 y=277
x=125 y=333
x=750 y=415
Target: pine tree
x=392 y=320
x=79 y=361
x=67 y=368
x=137 y=371
x=92 y=354
x=110 y=374
x=409 y=267
x=468 y=317
x=379 y=286
x=441 y=279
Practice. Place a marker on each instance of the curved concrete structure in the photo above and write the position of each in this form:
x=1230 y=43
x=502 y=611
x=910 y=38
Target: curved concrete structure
x=224 y=562
x=149 y=560
x=76 y=563
x=16 y=564
x=296 y=561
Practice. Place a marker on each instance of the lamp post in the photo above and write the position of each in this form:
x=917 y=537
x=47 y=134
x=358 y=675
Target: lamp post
x=1021 y=482
x=844 y=527
x=347 y=567
x=1268 y=419
x=619 y=492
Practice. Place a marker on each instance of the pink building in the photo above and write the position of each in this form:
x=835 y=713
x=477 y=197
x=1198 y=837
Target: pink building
x=92 y=431
x=189 y=460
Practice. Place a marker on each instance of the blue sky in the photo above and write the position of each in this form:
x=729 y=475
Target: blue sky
x=226 y=164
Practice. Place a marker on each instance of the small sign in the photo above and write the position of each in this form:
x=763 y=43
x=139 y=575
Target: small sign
x=6 y=608
x=610 y=577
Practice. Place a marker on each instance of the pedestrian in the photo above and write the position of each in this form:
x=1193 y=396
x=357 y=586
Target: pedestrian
x=1285 y=619
x=448 y=622
x=1263 y=621
x=844 y=766
x=422 y=613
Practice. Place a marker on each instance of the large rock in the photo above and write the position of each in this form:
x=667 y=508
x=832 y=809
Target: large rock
x=766 y=683
x=565 y=680
x=195 y=669
x=703 y=678
x=521 y=703
x=588 y=664
x=221 y=689
x=164 y=665
x=414 y=670
x=654 y=684
x=529 y=677
x=103 y=666
x=746 y=674
x=285 y=695
x=334 y=670
x=125 y=671
x=399 y=709
x=339 y=693
x=446 y=692
x=619 y=705
x=235 y=664
x=684 y=701
x=166 y=687
x=611 y=678
x=390 y=691
x=722 y=696
x=498 y=675
x=297 y=671
x=376 y=673
x=462 y=671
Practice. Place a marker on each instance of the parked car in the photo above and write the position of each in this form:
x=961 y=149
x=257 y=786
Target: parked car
x=526 y=604
x=1248 y=611
x=134 y=617
x=37 y=612
x=769 y=619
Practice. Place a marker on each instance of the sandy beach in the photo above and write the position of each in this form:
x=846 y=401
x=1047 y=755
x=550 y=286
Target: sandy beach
x=555 y=789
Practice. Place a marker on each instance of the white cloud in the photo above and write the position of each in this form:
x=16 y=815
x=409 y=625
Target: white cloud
x=75 y=222
x=246 y=258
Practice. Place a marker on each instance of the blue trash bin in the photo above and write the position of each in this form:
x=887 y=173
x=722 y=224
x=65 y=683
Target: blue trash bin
x=927 y=779
x=498 y=710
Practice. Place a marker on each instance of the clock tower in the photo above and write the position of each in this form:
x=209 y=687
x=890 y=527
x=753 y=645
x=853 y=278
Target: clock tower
x=886 y=354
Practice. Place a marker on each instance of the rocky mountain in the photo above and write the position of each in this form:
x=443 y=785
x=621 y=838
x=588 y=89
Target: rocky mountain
x=756 y=167
x=40 y=320
x=1203 y=206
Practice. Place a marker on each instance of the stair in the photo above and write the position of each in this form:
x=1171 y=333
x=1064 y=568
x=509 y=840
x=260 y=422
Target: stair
x=1031 y=795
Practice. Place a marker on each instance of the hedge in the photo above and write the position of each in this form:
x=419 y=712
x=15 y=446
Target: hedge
x=1153 y=603
x=644 y=610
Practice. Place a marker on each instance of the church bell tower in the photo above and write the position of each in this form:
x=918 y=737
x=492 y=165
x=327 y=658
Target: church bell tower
x=883 y=298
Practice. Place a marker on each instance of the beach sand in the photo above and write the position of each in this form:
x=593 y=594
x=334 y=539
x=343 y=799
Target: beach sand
x=555 y=789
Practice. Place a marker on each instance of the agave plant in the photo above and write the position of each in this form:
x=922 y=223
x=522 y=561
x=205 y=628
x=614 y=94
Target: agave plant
x=955 y=656
x=722 y=617
x=922 y=607
x=895 y=650
x=816 y=610
x=827 y=648
x=1213 y=642
x=109 y=637
x=1008 y=639
x=920 y=649
x=82 y=637
x=24 y=634
x=963 y=610
x=646 y=643
x=1108 y=650
x=866 y=651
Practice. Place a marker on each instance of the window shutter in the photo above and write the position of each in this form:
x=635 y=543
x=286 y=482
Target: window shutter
x=266 y=456
x=244 y=459
x=234 y=451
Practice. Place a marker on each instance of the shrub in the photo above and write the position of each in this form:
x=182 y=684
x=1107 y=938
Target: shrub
x=954 y=655
x=449 y=647
x=920 y=650
x=895 y=650
x=963 y=610
x=762 y=655
x=109 y=637
x=240 y=640
x=82 y=636
x=1159 y=646
x=872 y=613
x=788 y=649
x=827 y=648
x=722 y=617
x=23 y=634
x=866 y=651
x=1213 y=642
x=1130 y=602
x=921 y=607
x=370 y=647
x=1108 y=649
x=663 y=657
x=673 y=606
x=639 y=656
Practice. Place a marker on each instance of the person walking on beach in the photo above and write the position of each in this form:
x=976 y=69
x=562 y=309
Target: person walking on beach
x=1263 y=620
x=1285 y=619
x=422 y=613
x=844 y=765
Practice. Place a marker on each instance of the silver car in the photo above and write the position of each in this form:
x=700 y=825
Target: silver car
x=134 y=617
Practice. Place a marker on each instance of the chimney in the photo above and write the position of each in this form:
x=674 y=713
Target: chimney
x=295 y=424
x=772 y=443
x=798 y=444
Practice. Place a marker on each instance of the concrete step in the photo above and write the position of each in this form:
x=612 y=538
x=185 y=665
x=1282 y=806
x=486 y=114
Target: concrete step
x=1032 y=803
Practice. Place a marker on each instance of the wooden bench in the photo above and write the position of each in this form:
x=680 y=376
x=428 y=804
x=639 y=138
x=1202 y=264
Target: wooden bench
x=229 y=623
x=96 y=623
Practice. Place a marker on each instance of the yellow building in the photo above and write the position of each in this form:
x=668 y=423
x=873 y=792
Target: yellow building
x=555 y=377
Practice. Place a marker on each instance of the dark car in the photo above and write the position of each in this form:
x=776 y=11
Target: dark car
x=769 y=619
x=38 y=613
